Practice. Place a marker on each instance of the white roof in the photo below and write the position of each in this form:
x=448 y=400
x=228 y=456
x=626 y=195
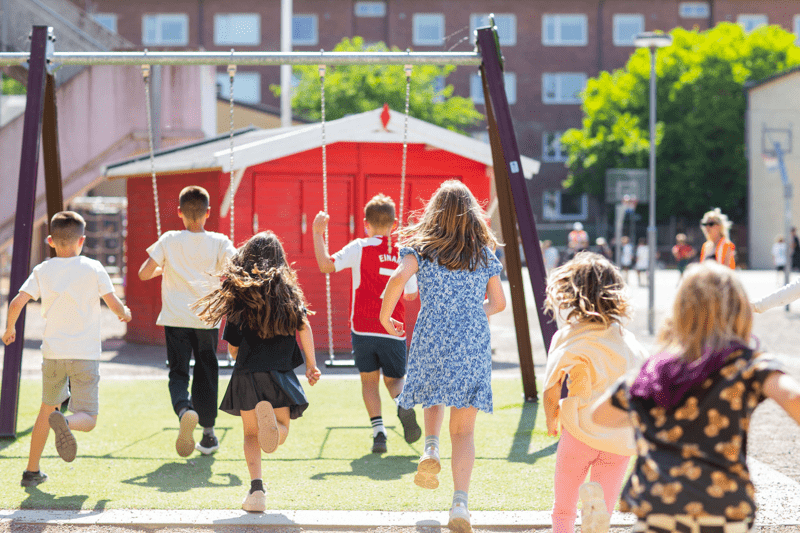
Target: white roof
x=259 y=146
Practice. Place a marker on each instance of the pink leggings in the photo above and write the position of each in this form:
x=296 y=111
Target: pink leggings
x=573 y=460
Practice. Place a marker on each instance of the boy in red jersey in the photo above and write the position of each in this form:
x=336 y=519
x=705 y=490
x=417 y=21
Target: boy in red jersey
x=371 y=261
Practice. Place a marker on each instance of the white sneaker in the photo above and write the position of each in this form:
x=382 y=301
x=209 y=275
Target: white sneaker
x=594 y=514
x=185 y=443
x=255 y=502
x=459 y=519
x=428 y=468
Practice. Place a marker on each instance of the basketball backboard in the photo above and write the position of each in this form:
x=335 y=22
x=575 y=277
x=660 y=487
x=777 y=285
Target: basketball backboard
x=771 y=136
x=627 y=181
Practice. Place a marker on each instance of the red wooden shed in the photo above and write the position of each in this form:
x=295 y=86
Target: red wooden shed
x=278 y=186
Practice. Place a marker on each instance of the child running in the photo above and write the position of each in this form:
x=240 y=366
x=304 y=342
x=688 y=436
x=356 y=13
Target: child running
x=371 y=261
x=184 y=260
x=588 y=353
x=266 y=309
x=450 y=360
x=69 y=285
x=690 y=407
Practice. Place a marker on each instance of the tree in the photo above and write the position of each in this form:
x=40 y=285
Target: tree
x=700 y=151
x=12 y=86
x=357 y=88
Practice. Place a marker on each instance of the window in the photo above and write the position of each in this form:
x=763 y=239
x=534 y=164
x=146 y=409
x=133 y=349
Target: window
x=626 y=28
x=560 y=205
x=305 y=30
x=476 y=88
x=246 y=87
x=506 y=26
x=369 y=9
x=552 y=151
x=751 y=22
x=694 y=10
x=563 y=87
x=428 y=29
x=796 y=28
x=108 y=20
x=564 y=30
x=237 y=28
x=165 y=29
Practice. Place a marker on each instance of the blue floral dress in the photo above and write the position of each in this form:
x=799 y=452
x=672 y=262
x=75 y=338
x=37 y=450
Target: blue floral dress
x=450 y=360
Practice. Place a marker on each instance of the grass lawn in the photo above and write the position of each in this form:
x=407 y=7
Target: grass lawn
x=129 y=460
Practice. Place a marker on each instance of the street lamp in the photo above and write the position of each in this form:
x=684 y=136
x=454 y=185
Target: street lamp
x=653 y=41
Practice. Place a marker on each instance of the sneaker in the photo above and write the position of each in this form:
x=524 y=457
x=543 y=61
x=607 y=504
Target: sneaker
x=428 y=469
x=208 y=444
x=185 y=442
x=594 y=514
x=255 y=502
x=459 y=519
x=268 y=435
x=411 y=430
x=31 y=479
x=66 y=446
x=379 y=443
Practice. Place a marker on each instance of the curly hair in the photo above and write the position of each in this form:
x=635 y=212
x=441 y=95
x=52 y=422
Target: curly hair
x=451 y=230
x=259 y=291
x=588 y=288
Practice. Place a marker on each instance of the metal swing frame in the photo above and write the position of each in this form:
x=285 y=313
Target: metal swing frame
x=40 y=129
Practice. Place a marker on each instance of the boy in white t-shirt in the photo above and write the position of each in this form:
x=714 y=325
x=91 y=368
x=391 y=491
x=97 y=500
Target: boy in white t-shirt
x=69 y=285
x=187 y=262
x=371 y=262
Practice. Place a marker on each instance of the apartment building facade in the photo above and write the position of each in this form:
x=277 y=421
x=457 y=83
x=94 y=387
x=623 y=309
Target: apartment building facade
x=550 y=47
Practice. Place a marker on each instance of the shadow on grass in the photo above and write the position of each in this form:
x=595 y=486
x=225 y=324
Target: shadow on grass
x=376 y=467
x=520 y=448
x=5 y=442
x=38 y=499
x=182 y=477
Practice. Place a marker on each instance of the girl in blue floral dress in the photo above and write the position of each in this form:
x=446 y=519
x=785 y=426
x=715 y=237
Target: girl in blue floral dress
x=450 y=362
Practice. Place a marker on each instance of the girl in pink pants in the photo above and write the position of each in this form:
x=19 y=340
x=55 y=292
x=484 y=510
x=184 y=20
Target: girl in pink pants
x=590 y=351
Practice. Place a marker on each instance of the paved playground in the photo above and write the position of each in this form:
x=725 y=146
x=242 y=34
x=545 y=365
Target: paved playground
x=773 y=447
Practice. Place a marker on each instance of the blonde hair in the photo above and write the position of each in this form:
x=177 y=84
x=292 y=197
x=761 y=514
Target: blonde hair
x=720 y=218
x=452 y=229
x=588 y=288
x=379 y=211
x=711 y=310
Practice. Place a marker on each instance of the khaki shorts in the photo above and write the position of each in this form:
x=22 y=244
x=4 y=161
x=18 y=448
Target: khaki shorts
x=84 y=377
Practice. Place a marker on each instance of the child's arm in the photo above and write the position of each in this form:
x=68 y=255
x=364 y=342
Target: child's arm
x=117 y=307
x=149 y=270
x=785 y=390
x=233 y=350
x=391 y=295
x=324 y=262
x=496 y=299
x=783 y=296
x=14 y=309
x=550 y=398
x=307 y=345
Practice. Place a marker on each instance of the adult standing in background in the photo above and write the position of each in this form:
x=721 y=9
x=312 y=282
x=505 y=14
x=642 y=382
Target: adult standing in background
x=682 y=252
x=577 y=240
x=716 y=226
x=794 y=242
x=550 y=255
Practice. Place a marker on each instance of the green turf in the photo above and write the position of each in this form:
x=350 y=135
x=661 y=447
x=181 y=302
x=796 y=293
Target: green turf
x=129 y=460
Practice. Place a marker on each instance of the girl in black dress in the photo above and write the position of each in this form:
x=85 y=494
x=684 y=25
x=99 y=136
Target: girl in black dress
x=266 y=314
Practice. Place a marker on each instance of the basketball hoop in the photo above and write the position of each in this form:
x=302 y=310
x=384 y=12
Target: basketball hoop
x=629 y=202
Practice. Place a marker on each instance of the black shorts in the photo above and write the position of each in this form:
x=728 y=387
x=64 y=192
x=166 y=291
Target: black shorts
x=373 y=353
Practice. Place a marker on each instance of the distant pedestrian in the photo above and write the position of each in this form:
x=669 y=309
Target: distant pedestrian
x=716 y=226
x=779 y=256
x=603 y=248
x=642 y=259
x=550 y=255
x=577 y=240
x=626 y=256
x=682 y=252
x=795 y=244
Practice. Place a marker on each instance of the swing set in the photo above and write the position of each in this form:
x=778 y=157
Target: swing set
x=40 y=123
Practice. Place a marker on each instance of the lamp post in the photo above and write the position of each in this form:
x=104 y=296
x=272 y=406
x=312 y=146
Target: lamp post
x=653 y=41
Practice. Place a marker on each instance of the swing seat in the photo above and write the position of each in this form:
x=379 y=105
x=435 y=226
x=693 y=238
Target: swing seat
x=223 y=363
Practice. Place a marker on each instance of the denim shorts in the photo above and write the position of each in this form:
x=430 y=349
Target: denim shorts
x=82 y=391
x=373 y=353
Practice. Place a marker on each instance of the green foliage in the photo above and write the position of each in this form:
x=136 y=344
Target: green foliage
x=700 y=153
x=12 y=86
x=358 y=88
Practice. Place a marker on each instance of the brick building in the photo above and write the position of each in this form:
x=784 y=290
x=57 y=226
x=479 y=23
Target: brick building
x=550 y=46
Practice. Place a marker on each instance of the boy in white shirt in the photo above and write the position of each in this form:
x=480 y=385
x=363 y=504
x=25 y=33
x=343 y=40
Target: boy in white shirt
x=186 y=261
x=69 y=285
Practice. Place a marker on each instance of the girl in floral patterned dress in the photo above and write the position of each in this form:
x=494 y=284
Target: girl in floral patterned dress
x=690 y=407
x=450 y=360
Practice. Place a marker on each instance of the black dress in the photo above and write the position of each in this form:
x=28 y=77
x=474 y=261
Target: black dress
x=264 y=371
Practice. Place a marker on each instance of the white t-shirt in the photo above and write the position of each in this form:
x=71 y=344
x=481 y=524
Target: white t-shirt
x=70 y=289
x=190 y=262
x=642 y=257
x=779 y=254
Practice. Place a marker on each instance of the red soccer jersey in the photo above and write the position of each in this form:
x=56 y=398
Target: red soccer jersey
x=371 y=264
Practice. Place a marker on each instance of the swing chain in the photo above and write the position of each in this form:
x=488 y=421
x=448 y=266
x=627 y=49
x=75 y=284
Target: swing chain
x=146 y=78
x=231 y=73
x=408 y=69
x=325 y=206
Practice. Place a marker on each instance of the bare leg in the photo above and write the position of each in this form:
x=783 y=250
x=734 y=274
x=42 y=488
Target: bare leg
x=394 y=385
x=252 y=450
x=41 y=430
x=370 y=392
x=433 y=420
x=82 y=422
x=462 y=435
x=283 y=419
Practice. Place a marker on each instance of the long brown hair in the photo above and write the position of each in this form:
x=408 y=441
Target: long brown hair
x=452 y=229
x=259 y=290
